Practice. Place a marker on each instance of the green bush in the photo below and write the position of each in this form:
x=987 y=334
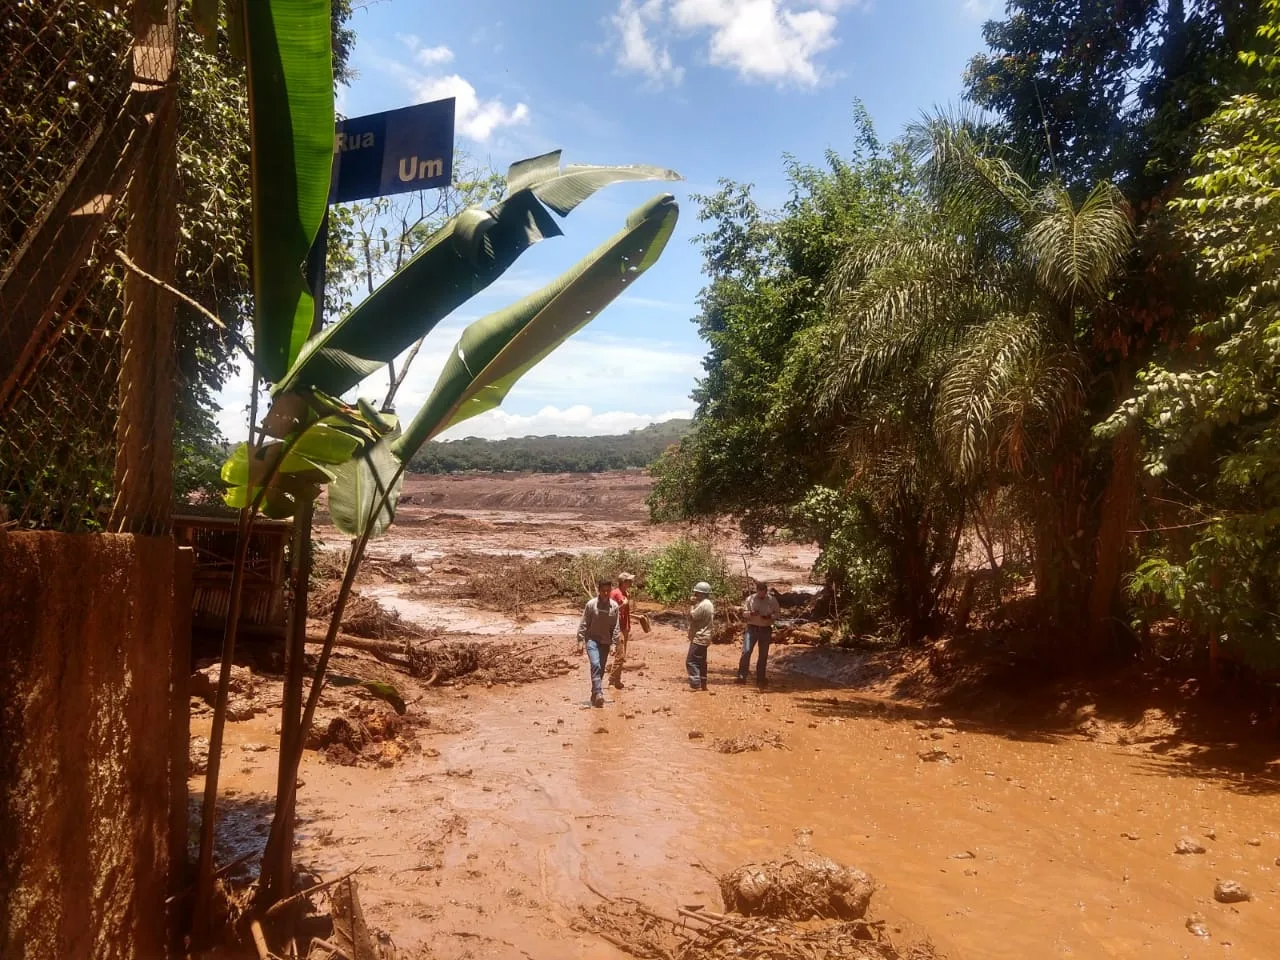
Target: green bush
x=587 y=568
x=675 y=568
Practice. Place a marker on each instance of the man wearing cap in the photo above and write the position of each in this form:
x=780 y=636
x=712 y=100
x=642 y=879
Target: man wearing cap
x=622 y=597
x=597 y=633
x=761 y=610
x=701 y=616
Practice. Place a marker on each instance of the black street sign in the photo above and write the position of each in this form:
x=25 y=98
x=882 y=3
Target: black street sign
x=398 y=151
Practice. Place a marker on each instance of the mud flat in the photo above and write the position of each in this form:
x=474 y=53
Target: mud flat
x=991 y=840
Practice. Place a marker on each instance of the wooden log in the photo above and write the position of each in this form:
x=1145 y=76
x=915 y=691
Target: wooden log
x=398 y=647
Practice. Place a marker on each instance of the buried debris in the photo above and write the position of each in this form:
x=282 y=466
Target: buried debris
x=483 y=663
x=748 y=743
x=798 y=888
x=362 y=616
x=795 y=909
x=370 y=734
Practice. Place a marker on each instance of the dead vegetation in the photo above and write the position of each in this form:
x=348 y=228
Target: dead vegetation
x=488 y=663
x=363 y=616
x=510 y=584
x=367 y=734
x=793 y=909
x=748 y=744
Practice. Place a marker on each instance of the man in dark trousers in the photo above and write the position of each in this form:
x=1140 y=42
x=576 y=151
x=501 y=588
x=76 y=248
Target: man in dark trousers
x=702 y=614
x=597 y=633
x=761 y=610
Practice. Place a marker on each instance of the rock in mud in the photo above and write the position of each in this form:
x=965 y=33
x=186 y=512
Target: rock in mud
x=936 y=756
x=1196 y=924
x=1229 y=891
x=1254 y=842
x=197 y=756
x=349 y=732
x=239 y=709
x=696 y=734
x=254 y=747
x=204 y=683
x=1188 y=845
x=945 y=723
x=800 y=888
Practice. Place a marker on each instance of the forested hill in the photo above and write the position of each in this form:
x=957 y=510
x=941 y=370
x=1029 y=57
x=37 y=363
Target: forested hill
x=638 y=448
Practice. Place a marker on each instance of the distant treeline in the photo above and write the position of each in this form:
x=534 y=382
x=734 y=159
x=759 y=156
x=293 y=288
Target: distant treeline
x=638 y=448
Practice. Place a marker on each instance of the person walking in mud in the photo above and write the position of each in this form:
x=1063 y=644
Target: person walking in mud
x=597 y=633
x=761 y=610
x=621 y=595
x=701 y=615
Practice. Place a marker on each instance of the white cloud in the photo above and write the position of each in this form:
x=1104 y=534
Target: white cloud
x=621 y=377
x=427 y=56
x=474 y=118
x=575 y=421
x=601 y=370
x=775 y=41
x=430 y=56
x=635 y=48
x=983 y=9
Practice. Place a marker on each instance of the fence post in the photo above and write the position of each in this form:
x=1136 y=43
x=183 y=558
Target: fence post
x=148 y=358
x=179 y=736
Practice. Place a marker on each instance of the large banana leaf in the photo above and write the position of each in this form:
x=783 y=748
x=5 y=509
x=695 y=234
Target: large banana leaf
x=372 y=480
x=311 y=453
x=496 y=351
x=290 y=73
x=562 y=189
x=462 y=258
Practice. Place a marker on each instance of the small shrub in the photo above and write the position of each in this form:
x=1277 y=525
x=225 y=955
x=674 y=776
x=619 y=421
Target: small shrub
x=587 y=568
x=675 y=568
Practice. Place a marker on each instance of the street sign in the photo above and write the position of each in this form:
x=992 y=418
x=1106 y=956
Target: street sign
x=398 y=151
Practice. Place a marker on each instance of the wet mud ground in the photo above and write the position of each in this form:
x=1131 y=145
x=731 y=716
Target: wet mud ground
x=1021 y=843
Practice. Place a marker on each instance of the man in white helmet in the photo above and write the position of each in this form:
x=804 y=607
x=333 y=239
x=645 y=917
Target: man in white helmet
x=701 y=615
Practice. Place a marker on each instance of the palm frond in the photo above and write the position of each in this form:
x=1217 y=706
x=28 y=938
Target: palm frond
x=1006 y=396
x=967 y=174
x=1077 y=251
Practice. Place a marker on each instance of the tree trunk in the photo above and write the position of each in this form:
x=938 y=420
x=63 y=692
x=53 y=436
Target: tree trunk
x=1059 y=531
x=1112 y=544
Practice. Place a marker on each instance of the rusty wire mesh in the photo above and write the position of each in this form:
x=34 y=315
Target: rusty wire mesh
x=73 y=143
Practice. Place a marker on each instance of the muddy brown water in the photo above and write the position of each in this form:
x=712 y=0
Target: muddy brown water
x=490 y=842
x=1028 y=845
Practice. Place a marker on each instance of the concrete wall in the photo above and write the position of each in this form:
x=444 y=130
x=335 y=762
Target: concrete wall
x=86 y=640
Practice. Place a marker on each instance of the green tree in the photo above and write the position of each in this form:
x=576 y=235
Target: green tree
x=751 y=455
x=1210 y=410
x=1090 y=90
x=958 y=355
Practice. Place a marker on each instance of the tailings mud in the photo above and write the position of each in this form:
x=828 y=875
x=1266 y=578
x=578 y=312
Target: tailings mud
x=996 y=842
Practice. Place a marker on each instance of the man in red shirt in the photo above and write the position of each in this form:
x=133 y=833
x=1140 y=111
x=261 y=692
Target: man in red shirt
x=621 y=595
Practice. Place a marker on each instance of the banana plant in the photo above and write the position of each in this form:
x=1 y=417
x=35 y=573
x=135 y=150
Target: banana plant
x=310 y=439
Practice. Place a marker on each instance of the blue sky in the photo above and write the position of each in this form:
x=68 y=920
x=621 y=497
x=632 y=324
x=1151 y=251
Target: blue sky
x=710 y=88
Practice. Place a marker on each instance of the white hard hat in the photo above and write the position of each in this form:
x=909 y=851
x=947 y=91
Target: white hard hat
x=702 y=587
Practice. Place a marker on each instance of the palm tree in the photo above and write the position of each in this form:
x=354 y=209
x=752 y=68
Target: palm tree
x=981 y=309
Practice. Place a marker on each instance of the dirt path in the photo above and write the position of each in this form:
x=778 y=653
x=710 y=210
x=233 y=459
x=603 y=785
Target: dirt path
x=1028 y=845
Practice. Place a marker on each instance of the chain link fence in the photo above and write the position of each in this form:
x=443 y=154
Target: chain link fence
x=82 y=135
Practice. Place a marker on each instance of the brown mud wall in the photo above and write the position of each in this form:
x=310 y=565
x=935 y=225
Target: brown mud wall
x=86 y=641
